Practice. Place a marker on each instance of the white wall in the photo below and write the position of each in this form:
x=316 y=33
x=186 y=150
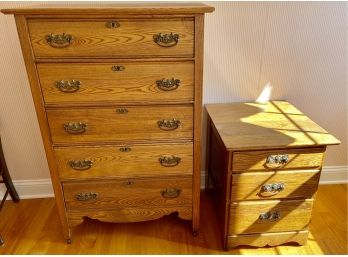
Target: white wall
x=299 y=47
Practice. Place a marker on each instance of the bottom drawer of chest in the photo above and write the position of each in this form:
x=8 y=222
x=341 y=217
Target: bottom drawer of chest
x=122 y=194
x=269 y=216
x=264 y=239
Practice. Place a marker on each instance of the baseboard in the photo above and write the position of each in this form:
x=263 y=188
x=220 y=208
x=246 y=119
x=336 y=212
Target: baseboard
x=42 y=188
x=329 y=175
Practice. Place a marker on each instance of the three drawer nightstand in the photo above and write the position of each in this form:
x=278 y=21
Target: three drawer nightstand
x=263 y=167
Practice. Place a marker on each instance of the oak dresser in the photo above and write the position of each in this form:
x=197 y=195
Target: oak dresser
x=264 y=163
x=117 y=91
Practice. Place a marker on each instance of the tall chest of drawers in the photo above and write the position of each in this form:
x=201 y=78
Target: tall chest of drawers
x=264 y=162
x=117 y=91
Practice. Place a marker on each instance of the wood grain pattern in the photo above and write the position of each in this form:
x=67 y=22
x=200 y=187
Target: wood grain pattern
x=122 y=215
x=270 y=239
x=297 y=184
x=129 y=193
x=134 y=37
x=105 y=124
x=298 y=159
x=110 y=161
x=276 y=124
x=294 y=215
x=136 y=83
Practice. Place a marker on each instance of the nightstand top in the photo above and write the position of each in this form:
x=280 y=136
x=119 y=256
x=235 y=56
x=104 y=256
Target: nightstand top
x=275 y=124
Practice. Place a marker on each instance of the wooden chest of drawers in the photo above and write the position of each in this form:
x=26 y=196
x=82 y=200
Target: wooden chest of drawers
x=117 y=91
x=263 y=167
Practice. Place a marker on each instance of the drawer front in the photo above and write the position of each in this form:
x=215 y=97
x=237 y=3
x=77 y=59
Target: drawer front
x=128 y=193
x=124 y=161
x=120 y=123
x=170 y=37
x=269 y=216
x=277 y=159
x=268 y=185
x=122 y=82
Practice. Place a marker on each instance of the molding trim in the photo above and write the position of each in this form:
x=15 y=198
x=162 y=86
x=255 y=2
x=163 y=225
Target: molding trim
x=42 y=188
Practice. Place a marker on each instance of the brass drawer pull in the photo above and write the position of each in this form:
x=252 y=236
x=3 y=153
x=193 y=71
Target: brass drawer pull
x=169 y=161
x=118 y=68
x=275 y=187
x=125 y=149
x=166 y=40
x=270 y=216
x=68 y=86
x=168 y=84
x=75 y=127
x=112 y=24
x=122 y=110
x=59 y=40
x=276 y=161
x=80 y=164
x=86 y=196
x=168 y=124
x=171 y=192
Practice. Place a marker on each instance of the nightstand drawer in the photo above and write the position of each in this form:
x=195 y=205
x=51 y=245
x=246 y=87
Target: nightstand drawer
x=128 y=193
x=117 y=82
x=170 y=37
x=306 y=158
x=277 y=184
x=269 y=216
x=120 y=124
x=124 y=161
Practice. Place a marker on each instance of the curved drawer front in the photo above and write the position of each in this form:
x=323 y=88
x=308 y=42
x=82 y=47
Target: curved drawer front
x=128 y=193
x=120 y=123
x=124 y=161
x=125 y=82
x=270 y=185
x=269 y=216
x=112 y=37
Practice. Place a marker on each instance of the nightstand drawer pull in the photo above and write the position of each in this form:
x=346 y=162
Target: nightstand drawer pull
x=112 y=24
x=122 y=110
x=166 y=40
x=75 y=127
x=86 y=196
x=270 y=216
x=59 y=40
x=118 y=68
x=169 y=161
x=69 y=86
x=275 y=187
x=277 y=161
x=125 y=149
x=168 y=84
x=168 y=124
x=80 y=164
x=171 y=192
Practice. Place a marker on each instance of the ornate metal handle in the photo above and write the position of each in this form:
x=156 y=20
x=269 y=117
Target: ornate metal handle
x=112 y=24
x=169 y=161
x=68 y=86
x=118 y=68
x=75 y=127
x=270 y=216
x=171 y=192
x=59 y=40
x=277 y=161
x=275 y=187
x=166 y=40
x=125 y=149
x=168 y=124
x=168 y=84
x=86 y=196
x=122 y=110
x=80 y=164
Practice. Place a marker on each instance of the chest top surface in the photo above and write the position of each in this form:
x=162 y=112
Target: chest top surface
x=276 y=124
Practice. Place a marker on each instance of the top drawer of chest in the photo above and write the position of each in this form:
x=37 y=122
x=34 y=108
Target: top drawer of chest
x=170 y=37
